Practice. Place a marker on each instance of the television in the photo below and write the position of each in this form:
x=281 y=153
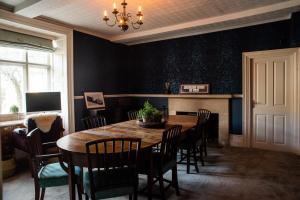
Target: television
x=43 y=101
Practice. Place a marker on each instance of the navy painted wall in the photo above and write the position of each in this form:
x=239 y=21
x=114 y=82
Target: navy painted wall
x=97 y=67
x=214 y=58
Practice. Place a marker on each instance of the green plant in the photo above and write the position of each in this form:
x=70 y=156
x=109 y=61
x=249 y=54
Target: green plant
x=150 y=113
x=14 y=109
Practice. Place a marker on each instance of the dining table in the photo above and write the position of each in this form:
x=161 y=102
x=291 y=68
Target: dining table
x=73 y=146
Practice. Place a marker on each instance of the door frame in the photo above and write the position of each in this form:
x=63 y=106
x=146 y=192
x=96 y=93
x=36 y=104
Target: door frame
x=247 y=95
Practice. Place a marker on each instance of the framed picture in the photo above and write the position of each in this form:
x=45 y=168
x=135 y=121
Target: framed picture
x=194 y=89
x=94 y=100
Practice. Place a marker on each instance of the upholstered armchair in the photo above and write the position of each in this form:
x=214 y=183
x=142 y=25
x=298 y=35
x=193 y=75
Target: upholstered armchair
x=55 y=132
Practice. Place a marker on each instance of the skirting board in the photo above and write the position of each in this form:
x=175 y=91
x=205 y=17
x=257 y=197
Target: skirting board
x=236 y=140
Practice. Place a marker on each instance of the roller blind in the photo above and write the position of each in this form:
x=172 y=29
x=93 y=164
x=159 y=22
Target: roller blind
x=20 y=40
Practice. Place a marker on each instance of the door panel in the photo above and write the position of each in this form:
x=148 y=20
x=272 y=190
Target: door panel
x=279 y=129
x=261 y=128
x=261 y=81
x=272 y=101
x=279 y=83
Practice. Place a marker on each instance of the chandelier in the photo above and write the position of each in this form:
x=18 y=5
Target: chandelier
x=122 y=18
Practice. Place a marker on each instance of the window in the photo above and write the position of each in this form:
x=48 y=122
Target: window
x=26 y=71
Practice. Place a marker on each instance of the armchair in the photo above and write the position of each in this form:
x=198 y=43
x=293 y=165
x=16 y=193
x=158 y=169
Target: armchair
x=55 y=132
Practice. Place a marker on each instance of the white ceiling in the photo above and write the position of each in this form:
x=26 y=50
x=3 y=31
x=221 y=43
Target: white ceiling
x=162 y=18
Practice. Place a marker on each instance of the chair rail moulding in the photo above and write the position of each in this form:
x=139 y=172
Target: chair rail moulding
x=247 y=95
x=200 y=96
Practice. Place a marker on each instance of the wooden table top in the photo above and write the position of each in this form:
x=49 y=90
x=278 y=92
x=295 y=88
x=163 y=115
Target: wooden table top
x=75 y=142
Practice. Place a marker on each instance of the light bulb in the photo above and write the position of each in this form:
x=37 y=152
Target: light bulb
x=105 y=13
x=115 y=6
x=141 y=18
x=140 y=8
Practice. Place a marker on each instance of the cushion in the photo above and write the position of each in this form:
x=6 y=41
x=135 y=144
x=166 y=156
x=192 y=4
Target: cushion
x=113 y=183
x=53 y=175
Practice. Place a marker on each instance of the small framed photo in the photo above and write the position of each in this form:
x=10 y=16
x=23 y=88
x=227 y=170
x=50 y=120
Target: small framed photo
x=94 y=100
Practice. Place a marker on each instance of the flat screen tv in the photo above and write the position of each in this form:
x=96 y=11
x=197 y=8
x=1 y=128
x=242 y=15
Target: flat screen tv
x=43 y=101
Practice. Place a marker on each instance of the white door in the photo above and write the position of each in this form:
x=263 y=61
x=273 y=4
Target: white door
x=272 y=93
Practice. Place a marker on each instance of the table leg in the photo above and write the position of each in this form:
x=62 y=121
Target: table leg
x=71 y=178
x=150 y=177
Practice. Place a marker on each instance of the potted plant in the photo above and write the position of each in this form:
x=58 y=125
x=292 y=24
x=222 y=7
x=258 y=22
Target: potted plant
x=15 y=110
x=150 y=114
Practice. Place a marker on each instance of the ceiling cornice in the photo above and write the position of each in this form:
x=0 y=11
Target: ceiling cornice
x=76 y=28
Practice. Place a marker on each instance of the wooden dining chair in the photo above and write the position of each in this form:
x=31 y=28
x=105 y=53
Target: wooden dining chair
x=190 y=144
x=133 y=115
x=93 y=122
x=204 y=116
x=165 y=159
x=112 y=168
x=47 y=174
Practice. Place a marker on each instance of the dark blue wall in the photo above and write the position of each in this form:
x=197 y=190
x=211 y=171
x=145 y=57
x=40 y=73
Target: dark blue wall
x=214 y=58
x=97 y=67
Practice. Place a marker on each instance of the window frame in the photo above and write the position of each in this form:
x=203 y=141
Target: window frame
x=26 y=65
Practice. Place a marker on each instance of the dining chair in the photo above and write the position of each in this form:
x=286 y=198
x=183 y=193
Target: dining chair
x=190 y=144
x=165 y=159
x=112 y=168
x=133 y=115
x=46 y=174
x=205 y=116
x=93 y=122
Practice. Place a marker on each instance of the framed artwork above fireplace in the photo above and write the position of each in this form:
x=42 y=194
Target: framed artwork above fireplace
x=194 y=89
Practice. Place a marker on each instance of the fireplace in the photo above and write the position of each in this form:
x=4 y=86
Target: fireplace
x=219 y=106
x=212 y=124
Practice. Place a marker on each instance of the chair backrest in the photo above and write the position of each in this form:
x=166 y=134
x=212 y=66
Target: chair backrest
x=112 y=154
x=35 y=148
x=170 y=143
x=133 y=115
x=93 y=122
x=203 y=114
x=55 y=132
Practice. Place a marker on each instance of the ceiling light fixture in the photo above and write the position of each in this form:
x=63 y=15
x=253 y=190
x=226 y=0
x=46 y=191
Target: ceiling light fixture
x=123 y=18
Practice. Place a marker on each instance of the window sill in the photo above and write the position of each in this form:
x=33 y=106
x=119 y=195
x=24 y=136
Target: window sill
x=11 y=117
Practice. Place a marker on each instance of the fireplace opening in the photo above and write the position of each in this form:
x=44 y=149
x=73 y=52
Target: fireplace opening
x=212 y=126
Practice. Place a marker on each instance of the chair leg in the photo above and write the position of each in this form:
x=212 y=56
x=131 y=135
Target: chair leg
x=37 y=191
x=43 y=194
x=195 y=159
x=150 y=185
x=175 y=180
x=201 y=155
x=86 y=197
x=188 y=157
x=181 y=154
x=205 y=146
x=161 y=185
x=130 y=196
x=79 y=192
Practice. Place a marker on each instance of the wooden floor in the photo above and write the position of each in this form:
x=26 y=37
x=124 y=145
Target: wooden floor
x=230 y=173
